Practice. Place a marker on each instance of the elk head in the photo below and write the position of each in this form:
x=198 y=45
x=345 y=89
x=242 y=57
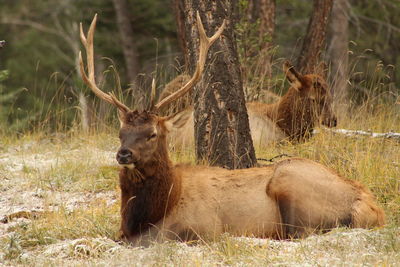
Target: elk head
x=314 y=88
x=143 y=133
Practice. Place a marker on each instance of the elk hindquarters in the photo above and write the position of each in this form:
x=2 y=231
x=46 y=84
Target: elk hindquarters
x=310 y=196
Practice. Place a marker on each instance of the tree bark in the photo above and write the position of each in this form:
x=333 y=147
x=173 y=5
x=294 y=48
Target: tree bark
x=338 y=49
x=253 y=10
x=180 y=27
x=222 y=131
x=264 y=12
x=267 y=28
x=267 y=18
x=315 y=37
x=127 y=40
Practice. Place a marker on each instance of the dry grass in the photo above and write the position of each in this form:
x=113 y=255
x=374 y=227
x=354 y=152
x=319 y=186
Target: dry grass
x=72 y=182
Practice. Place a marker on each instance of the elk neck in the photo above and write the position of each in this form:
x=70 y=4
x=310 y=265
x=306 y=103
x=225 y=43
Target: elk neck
x=295 y=115
x=148 y=192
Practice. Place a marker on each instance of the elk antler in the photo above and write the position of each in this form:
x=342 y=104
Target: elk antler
x=205 y=44
x=90 y=81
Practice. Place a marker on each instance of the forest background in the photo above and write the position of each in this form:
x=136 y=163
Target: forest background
x=59 y=200
x=40 y=86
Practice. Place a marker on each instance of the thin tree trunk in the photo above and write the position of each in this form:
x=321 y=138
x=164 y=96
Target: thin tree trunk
x=267 y=28
x=85 y=113
x=253 y=10
x=267 y=18
x=222 y=131
x=338 y=49
x=264 y=12
x=127 y=40
x=313 y=42
x=180 y=27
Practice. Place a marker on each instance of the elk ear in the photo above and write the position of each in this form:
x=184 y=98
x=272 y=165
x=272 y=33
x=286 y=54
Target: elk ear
x=292 y=75
x=178 y=120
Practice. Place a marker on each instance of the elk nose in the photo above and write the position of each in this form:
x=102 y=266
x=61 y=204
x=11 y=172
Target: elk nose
x=124 y=156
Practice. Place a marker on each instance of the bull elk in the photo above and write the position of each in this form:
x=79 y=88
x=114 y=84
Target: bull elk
x=162 y=201
x=294 y=117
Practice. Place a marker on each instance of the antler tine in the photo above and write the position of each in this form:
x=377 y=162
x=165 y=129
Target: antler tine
x=153 y=93
x=205 y=44
x=90 y=81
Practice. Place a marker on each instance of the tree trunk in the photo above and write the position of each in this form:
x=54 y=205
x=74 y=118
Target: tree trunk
x=222 y=131
x=127 y=40
x=315 y=36
x=267 y=29
x=338 y=49
x=264 y=12
x=267 y=18
x=253 y=10
x=180 y=28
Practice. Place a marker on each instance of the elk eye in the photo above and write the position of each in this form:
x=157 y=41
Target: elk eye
x=154 y=135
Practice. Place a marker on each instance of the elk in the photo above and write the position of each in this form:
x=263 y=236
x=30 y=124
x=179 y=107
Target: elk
x=162 y=201
x=293 y=117
x=307 y=101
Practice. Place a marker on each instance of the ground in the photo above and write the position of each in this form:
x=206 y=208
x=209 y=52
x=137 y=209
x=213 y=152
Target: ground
x=59 y=205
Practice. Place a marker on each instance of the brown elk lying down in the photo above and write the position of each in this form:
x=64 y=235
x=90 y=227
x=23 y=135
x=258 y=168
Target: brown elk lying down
x=161 y=201
x=293 y=117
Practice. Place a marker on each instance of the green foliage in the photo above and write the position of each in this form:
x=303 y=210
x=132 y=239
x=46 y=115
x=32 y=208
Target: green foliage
x=7 y=99
x=252 y=51
x=375 y=46
x=43 y=43
x=41 y=53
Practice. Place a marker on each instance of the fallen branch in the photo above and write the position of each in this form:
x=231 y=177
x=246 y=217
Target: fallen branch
x=27 y=214
x=388 y=135
x=275 y=157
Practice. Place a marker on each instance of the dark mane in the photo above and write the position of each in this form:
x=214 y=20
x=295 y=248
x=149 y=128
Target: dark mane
x=151 y=199
x=148 y=192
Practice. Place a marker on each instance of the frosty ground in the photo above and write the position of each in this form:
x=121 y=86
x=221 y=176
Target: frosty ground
x=59 y=205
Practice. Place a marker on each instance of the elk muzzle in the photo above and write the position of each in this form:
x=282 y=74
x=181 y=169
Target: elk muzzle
x=126 y=158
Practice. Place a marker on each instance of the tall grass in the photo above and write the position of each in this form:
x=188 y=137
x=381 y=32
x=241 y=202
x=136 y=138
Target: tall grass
x=375 y=162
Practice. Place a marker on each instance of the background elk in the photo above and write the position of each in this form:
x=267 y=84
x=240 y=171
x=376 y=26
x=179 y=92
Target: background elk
x=161 y=201
x=307 y=102
x=293 y=117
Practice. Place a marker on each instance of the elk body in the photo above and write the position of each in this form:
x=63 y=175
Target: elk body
x=160 y=200
x=293 y=117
